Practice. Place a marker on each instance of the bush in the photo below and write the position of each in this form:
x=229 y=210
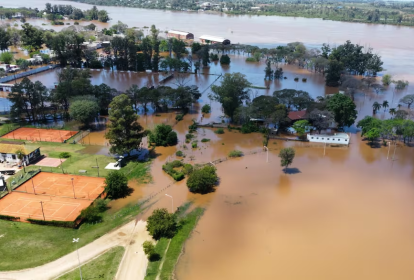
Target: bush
x=91 y=214
x=219 y=131
x=76 y=23
x=193 y=126
x=187 y=141
x=163 y=135
x=172 y=138
x=206 y=109
x=149 y=250
x=235 y=153
x=296 y=79
x=101 y=205
x=202 y=180
x=304 y=80
x=187 y=169
x=169 y=169
x=179 y=117
x=64 y=224
x=179 y=154
x=189 y=136
x=116 y=185
x=9 y=218
x=64 y=155
x=205 y=140
x=194 y=145
x=161 y=224
x=225 y=59
x=249 y=128
x=251 y=59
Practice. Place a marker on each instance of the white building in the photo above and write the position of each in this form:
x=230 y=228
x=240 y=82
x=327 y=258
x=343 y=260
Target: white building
x=337 y=138
x=8 y=153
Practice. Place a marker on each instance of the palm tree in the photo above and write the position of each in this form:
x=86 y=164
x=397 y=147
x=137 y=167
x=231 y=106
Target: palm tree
x=385 y=105
x=376 y=106
x=392 y=111
x=20 y=153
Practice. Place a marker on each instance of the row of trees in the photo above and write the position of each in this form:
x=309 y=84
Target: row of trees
x=75 y=13
x=393 y=129
x=238 y=103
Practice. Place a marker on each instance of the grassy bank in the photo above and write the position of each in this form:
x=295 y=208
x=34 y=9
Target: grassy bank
x=25 y=245
x=170 y=258
x=103 y=267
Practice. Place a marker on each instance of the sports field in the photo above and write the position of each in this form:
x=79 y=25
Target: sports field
x=40 y=134
x=61 y=200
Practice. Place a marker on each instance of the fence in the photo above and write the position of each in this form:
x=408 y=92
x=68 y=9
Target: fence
x=27 y=73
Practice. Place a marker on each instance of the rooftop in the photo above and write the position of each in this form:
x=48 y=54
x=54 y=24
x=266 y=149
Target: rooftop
x=336 y=135
x=296 y=115
x=212 y=38
x=179 y=32
x=13 y=148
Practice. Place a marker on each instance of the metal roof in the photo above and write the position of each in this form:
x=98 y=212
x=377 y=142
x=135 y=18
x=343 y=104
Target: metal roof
x=179 y=32
x=212 y=38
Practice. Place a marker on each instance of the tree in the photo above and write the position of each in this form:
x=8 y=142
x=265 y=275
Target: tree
x=286 y=157
x=386 y=80
x=163 y=135
x=350 y=85
x=392 y=111
x=372 y=134
x=4 y=39
x=206 y=109
x=149 y=250
x=408 y=99
x=103 y=16
x=300 y=127
x=375 y=107
x=84 y=109
x=368 y=123
x=400 y=84
x=161 y=224
x=178 y=47
x=385 y=105
x=124 y=131
x=232 y=92
x=104 y=95
x=6 y=57
x=321 y=119
x=195 y=47
x=20 y=153
x=268 y=71
x=116 y=185
x=202 y=180
x=184 y=96
x=142 y=96
x=343 y=109
x=32 y=37
x=333 y=73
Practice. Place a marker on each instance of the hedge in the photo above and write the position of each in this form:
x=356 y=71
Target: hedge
x=9 y=218
x=64 y=224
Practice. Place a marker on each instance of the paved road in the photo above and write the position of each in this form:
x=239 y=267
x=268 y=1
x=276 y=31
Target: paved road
x=133 y=265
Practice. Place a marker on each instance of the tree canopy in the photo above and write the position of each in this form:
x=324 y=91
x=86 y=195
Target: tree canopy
x=124 y=131
x=202 y=180
x=162 y=224
x=116 y=185
x=343 y=108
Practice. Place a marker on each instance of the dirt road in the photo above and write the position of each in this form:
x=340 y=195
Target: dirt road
x=133 y=265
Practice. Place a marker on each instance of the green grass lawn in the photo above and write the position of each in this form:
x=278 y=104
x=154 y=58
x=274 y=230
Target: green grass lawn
x=25 y=245
x=170 y=258
x=79 y=160
x=6 y=128
x=103 y=267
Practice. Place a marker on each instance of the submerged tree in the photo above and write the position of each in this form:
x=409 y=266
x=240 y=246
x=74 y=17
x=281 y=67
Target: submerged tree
x=286 y=157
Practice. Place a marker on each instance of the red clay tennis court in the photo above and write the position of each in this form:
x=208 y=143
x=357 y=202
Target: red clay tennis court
x=40 y=134
x=61 y=200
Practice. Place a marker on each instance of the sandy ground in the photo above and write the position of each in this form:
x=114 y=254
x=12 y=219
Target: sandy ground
x=133 y=265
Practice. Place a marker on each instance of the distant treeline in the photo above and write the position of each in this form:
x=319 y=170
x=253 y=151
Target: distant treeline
x=55 y=12
x=401 y=13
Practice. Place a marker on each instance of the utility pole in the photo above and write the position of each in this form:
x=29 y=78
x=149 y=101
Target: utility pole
x=73 y=187
x=41 y=205
x=97 y=166
x=172 y=202
x=267 y=153
x=76 y=240
x=389 y=147
x=395 y=148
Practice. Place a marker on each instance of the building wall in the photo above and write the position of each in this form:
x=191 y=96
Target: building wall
x=329 y=139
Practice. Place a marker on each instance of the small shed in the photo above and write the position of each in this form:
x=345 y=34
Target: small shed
x=208 y=39
x=181 y=35
x=8 y=153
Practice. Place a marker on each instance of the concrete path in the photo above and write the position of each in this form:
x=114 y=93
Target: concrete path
x=133 y=265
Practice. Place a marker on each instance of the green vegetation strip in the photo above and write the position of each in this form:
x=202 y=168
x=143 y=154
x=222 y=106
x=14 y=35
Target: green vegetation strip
x=170 y=258
x=22 y=242
x=103 y=267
